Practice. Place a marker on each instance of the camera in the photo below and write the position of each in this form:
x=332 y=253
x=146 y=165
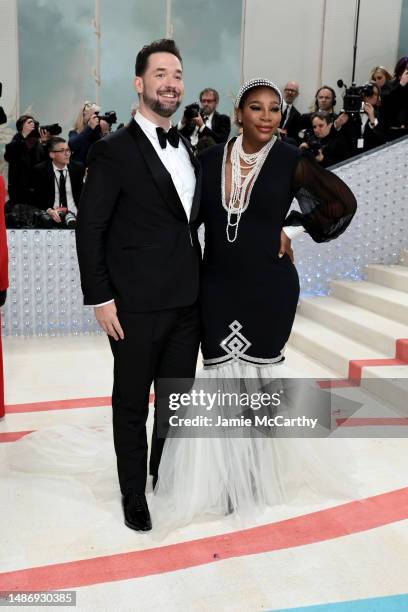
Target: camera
x=354 y=97
x=54 y=129
x=3 y=116
x=313 y=143
x=191 y=111
x=110 y=117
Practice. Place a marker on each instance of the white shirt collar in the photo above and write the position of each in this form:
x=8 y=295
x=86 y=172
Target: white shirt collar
x=58 y=169
x=148 y=126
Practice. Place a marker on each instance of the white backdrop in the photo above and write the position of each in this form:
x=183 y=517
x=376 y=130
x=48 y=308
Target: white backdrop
x=312 y=42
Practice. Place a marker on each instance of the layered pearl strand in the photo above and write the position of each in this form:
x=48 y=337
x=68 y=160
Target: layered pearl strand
x=241 y=184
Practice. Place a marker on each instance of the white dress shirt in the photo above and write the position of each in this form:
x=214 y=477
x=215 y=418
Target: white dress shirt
x=68 y=188
x=177 y=162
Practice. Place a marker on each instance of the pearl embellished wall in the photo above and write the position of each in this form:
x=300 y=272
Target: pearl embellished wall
x=45 y=296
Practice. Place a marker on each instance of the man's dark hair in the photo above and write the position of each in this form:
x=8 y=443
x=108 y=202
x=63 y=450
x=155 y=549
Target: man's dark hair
x=333 y=93
x=164 y=45
x=21 y=121
x=323 y=115
x=210 y=90
x=53 y=142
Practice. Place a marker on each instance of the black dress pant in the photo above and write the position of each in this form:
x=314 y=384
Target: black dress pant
x=156 y=345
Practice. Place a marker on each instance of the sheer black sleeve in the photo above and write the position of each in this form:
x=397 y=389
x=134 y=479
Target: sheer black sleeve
x=327 y=205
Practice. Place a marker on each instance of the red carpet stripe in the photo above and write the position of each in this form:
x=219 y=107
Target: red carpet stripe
x=336 y=522
x=82 y=402
x=12 y=436
x=372 y=421
x=356 y=367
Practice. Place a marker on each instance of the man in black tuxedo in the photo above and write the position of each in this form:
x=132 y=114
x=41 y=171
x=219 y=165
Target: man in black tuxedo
x=139 y=260
x=58 y=184
x=209 y=127
x=290 y=122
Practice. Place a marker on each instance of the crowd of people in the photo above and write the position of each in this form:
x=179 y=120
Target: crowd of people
x=46 y=172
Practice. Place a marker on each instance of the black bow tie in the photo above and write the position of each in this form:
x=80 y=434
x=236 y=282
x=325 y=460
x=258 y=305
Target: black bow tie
x=172 y=136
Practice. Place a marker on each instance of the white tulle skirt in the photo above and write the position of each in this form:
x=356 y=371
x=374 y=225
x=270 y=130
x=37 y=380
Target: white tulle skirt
x=218 y=476
x=199 y=478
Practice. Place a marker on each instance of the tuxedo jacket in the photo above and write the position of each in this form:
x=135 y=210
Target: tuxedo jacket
x=293 y=124
x=45 y=183
x=134 y=241
x=219 y=132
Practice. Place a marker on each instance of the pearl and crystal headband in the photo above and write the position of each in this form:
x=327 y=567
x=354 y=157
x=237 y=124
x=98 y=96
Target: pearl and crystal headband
x=257 y=83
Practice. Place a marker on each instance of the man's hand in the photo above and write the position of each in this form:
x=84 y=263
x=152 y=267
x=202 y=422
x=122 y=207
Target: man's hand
x=53 y=213
x=198 y=121
x=107 y=318
x=369 y=109
x=319 y=157
x=341 y=120
x=285 y=246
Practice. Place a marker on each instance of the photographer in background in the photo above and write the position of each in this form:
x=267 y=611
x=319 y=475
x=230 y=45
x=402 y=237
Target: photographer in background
x=395 y=106
x=363 y=130
x=204 y=126
x=23 y=152
x=325 y=100
x=58 y=184
x=88 y=128
x=326 y=144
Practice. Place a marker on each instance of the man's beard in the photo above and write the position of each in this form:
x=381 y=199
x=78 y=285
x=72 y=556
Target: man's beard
x=157 y=107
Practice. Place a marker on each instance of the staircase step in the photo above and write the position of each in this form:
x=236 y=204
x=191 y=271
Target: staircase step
x=305 y=365
x=375 y=298
x=330 y=348
x=376 y=331
x=390 y=383
x=393 y=276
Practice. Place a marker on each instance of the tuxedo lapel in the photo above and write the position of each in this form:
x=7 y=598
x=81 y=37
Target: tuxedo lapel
x=159 y=173
x=197 y=169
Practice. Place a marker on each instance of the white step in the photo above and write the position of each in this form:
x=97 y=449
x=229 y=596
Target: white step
x=376 y=298
x=328 y=347
x=355 y=322
x=390 y=383
x=395 y=276
x=305 y=365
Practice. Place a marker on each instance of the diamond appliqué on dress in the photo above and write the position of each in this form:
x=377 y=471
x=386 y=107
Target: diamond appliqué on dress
x=235 y=344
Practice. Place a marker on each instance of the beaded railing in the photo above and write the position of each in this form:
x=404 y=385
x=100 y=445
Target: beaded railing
x=45 y=295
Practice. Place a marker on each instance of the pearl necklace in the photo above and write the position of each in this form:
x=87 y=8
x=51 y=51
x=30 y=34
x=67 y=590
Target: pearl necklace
x=241 y=185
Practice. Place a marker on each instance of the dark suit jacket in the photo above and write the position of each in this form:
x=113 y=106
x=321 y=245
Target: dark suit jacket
x=134 y=241
x=45 y=185
x=373 y=137
x=293 y=124
x=219 y=132
x=22 y=154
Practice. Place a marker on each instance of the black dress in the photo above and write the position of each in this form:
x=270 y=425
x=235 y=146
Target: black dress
x=248 y=294
x=248 y=303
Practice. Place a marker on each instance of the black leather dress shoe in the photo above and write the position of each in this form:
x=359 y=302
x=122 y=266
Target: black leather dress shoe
x=136 y=511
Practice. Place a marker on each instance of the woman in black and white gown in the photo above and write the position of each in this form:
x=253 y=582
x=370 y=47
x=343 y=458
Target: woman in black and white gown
x=249 y=295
